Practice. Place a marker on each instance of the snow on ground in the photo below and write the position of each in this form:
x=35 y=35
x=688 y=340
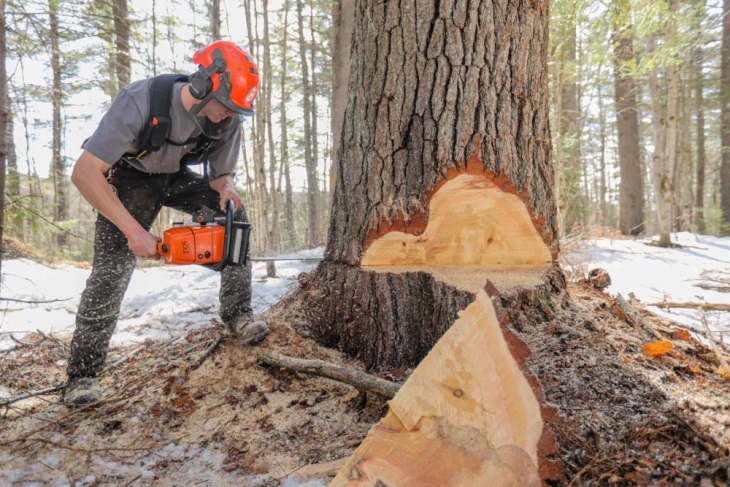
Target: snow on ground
x=655 y=274
x=161 y=302
x=166 y=301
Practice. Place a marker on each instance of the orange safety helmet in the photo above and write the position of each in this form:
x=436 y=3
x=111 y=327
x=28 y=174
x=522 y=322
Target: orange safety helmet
x=227 y=73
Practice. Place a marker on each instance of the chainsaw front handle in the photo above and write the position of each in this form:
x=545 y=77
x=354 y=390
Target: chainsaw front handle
x=226 y=243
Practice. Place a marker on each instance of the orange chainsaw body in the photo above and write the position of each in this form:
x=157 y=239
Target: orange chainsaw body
x=193 y=244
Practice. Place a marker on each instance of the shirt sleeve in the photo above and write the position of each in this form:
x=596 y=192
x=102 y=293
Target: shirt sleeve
x=118 y=130
x=224 y=156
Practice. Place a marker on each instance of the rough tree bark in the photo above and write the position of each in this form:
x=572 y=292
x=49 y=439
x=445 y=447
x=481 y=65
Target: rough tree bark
x=631 y=193
x=215 y=19
x=443 y=214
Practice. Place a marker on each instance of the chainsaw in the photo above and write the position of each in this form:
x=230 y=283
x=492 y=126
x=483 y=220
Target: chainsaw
x=207 y=241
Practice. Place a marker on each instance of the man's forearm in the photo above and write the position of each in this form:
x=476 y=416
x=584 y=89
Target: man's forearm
x=224 y=182
x=89 y=178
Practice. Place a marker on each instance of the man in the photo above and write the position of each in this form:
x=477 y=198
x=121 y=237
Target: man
x=135 y=163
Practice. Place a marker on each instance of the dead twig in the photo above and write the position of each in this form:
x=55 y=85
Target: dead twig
x=705 y=306
x=207 y=353
x=49 y=390
x=715 y=348
x=34 y=302
x=356 y=378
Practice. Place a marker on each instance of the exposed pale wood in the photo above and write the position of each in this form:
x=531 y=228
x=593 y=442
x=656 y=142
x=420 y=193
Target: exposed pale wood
x=705 y=306
x=467 y=416
x=356 y=378
x=471 y=222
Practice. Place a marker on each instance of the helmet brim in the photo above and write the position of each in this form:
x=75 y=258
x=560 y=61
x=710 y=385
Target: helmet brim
x=235 y=108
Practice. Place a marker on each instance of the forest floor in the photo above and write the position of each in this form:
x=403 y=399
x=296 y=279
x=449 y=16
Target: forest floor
x=626 y=418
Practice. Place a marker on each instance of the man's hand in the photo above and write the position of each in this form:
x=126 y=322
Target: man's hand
x=227 y=191
x=143 y=244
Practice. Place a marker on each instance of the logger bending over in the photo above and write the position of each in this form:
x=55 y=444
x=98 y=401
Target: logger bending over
x=135 y=163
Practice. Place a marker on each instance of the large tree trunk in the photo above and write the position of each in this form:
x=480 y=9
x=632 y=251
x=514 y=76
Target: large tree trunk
x=444 y=208
x=631 y=193
x=725 y=115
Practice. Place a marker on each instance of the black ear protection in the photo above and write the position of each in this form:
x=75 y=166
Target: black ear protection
x=200 y=83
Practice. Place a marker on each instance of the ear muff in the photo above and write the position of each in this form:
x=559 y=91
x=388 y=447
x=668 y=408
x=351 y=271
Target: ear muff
x=200 y=84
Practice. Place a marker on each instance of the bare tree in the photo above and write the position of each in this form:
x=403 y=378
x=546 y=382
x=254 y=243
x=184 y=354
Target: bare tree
x=58 y=166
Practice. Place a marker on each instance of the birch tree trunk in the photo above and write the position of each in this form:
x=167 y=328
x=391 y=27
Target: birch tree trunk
x=664 y=167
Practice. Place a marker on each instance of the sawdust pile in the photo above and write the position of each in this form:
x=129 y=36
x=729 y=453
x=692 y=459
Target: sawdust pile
x=626 y=418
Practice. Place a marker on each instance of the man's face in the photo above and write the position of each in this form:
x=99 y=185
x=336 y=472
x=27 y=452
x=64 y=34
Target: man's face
x=216 y=111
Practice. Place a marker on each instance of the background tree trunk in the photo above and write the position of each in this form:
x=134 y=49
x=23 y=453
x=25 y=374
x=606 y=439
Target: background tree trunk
x=121 y=32
x=309 y=162
x=58 y=166
x=3 y=129
x=288 y=190
x=697 y=59
x=343 y=15
x=215 y=19
x=631 y=193
x=725 y=118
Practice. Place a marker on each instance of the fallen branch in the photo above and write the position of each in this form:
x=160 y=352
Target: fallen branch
x=714 y=346
x=631 y=315
x=704 y=306
x=358 y=379
x=49 y=390
x=207 y=353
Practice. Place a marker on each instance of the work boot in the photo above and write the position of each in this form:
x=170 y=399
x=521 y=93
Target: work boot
x=247 y=330
x=82 y=391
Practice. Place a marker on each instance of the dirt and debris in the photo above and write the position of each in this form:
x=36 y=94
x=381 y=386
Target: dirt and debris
x=232 y=421
x=633 y=411
x=626 y=418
